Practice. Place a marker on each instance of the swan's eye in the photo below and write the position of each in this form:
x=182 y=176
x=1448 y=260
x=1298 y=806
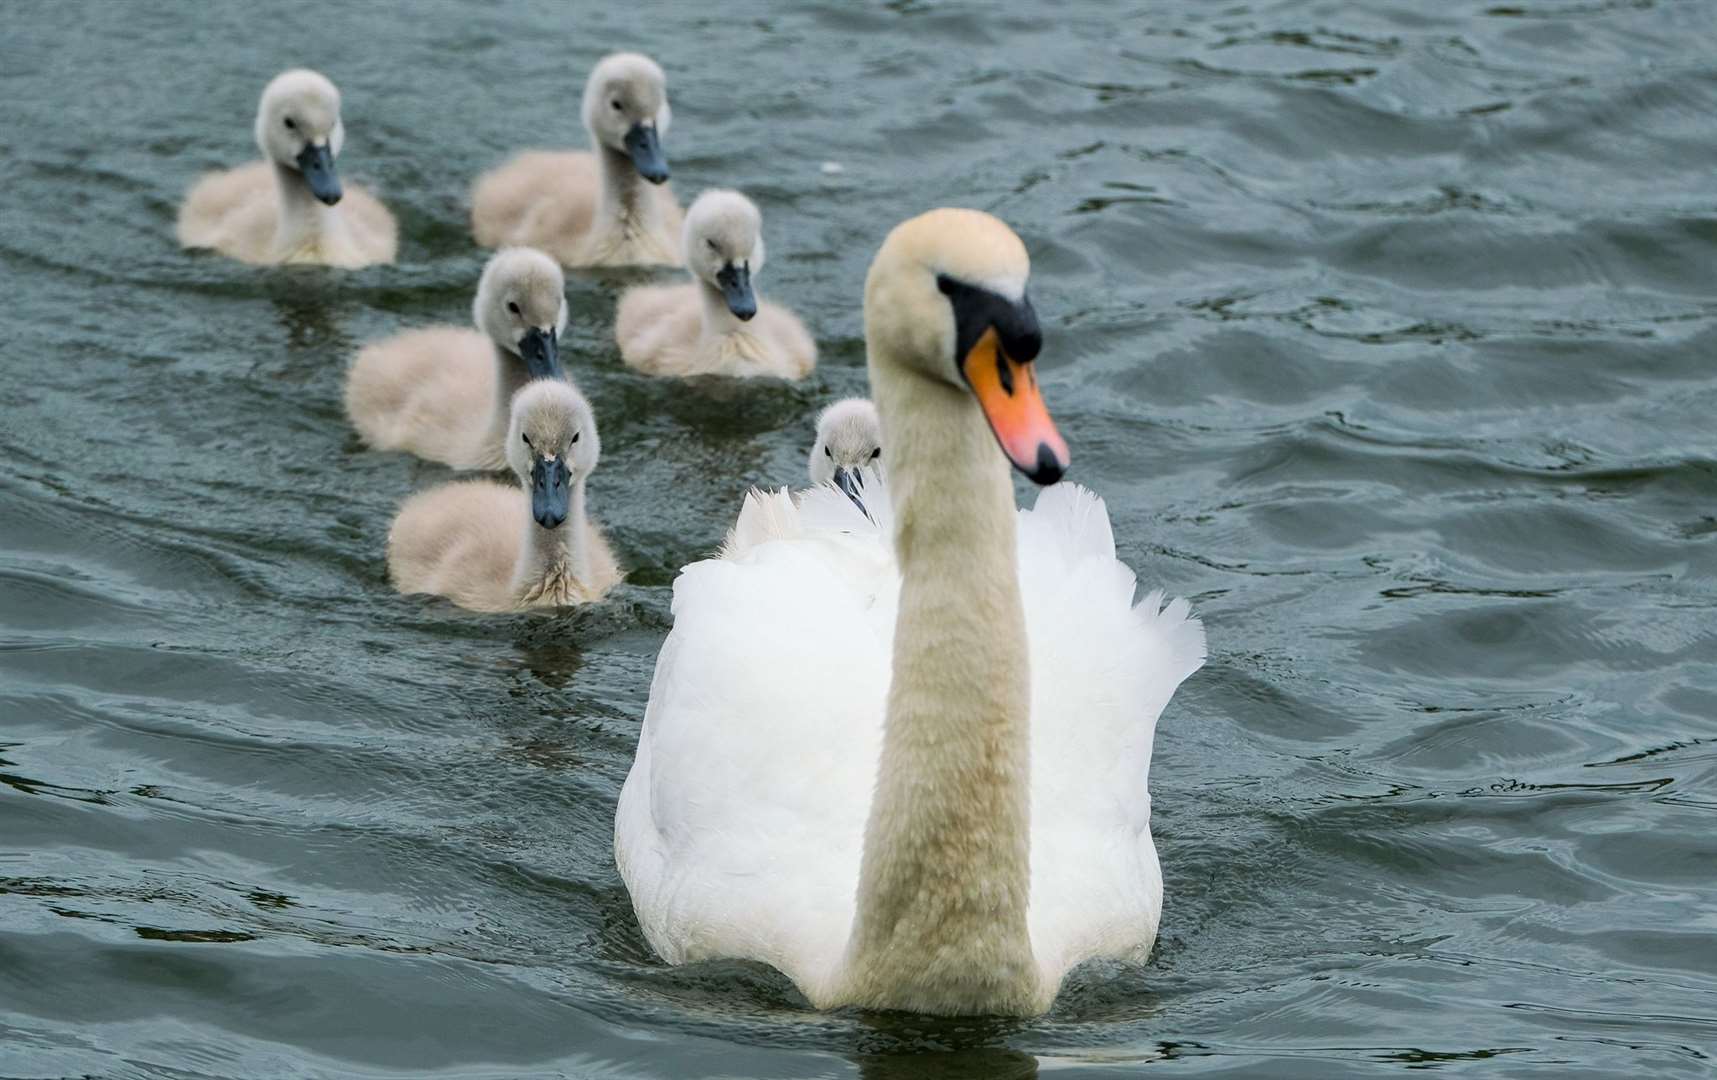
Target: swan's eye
x=830 y=454
x=290 y=125
x=512 y=307
x=874 y=454
x=575 y=436
x=526 y=438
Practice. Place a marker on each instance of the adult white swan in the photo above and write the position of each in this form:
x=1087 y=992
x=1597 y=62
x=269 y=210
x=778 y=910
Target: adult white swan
x=912 y=775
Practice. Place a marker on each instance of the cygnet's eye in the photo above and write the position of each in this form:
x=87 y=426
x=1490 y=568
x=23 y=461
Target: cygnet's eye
x=616 y=104
x=830 y=454
x=290 y=125
x=874 y=454
x=709 y=242
x=525 y=437
x=575 y=436
x=512 y=307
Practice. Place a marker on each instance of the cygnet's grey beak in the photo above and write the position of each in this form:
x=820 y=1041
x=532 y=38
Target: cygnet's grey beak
x=540 y=350
x=851 y=482
x=735 y=282
x=316 y=163
x=646 y=152
x=551 y=491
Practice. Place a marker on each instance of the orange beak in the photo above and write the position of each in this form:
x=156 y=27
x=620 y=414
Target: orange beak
x=1007 y=391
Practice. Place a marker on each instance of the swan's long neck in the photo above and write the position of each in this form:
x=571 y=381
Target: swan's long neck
x=943 y=887
x=626 y=204
x=510 y=374
x=555 y=560
x=305 y=224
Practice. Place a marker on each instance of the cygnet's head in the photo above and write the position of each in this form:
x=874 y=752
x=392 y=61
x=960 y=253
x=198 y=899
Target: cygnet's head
x=521 y=306
x=552 y=446
x=626 y=110
x=849 y=440
x=724 y=246
x=298 y=128
x=945 y=300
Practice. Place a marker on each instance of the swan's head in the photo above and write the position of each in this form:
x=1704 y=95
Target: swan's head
x=552 y=446
x=849 y=440
x=521 y=305
x=946 y=299
x=724 y=246
x=626 y=110
x=298 y=127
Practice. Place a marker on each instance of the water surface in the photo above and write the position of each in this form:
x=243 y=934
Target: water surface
x=1387 y=330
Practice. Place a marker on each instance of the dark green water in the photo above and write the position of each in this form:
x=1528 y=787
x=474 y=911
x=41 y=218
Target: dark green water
x=1387 y=330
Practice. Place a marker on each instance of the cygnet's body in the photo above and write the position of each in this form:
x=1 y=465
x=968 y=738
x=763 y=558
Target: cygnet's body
x=291 y=207
x=494 y=547
x=714 y=324
x=444 y=392
x=610 y=206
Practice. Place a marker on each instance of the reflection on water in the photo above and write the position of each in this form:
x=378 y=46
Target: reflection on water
x=950 y=1065
x=1385 y=331
x=552 y=662
x=891 y=1045
x=313 y=332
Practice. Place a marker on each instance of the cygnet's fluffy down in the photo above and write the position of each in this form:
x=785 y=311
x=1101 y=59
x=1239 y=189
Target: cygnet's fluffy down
x=849 y=438
x=292 y=206
x=714 y=324
x=611 y=206
x=495 y=547
x=444 y=392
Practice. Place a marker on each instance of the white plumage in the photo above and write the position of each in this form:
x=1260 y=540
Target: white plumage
x=740 y=828
x=902 y=756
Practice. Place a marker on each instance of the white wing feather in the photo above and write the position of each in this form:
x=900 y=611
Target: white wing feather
x=740 y=827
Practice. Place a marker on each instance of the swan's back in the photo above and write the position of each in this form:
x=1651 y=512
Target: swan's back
x=774 y=679
x=1102 y=670
x=791 y=352
x=463 y=540
x=429 y=392
x=659 y=329
x=547 y=199
x=740 y=828
x=374 y=232
x=544 y=199
x=460 y=540
x=233 y=212
x=237 y=213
